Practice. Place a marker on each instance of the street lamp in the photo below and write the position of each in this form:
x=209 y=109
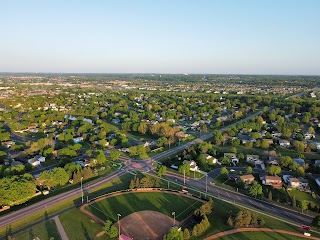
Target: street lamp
x=81 y=190
x=174 y=218
x=206 y=182
x=119 y=215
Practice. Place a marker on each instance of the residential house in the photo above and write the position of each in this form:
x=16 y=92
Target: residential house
x=275 y=133
x=274 y=181
x=78 y=139
x=193 y=165
x=317 y=145
x=115 y=121
x=8 y=144
x=318 y=181
x=284 y=143
x=181 y=135
x=37 y=160
x=245 y=138
x=209 y=157
x=273 y=161
x=317 y=163
x=252 y=158
x=300 y=183
x=259 y=164
x=247 y=179
x=233 y=158
x=299 y=161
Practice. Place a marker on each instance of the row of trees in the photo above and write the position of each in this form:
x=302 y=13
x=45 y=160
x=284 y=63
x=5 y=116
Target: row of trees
x=17 y=189
x=245 y=219
x=145 y=182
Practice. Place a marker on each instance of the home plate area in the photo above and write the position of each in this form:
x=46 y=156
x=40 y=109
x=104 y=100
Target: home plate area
x=145 y=225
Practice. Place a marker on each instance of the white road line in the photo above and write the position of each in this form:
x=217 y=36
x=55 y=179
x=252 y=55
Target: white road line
x=238 y=197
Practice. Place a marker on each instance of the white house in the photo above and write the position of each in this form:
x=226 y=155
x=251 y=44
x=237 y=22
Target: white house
x=284 y=143
x=193 y=165
x=78 y=140
x=252 y=158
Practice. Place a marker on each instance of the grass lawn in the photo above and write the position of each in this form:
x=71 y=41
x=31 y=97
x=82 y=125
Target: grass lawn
x=222 y=210
x=43 y=231
x=134 y=202
x=78 y=225
x=303 y=196
x=259 y=235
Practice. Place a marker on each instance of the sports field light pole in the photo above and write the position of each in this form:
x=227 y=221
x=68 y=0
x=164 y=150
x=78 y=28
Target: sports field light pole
x=81 y=190
x=174 y=218
x=119 y=215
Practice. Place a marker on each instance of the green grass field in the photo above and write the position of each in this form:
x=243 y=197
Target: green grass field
x=259 y=235
x=303 y=196
x=43 y=231
x=79 y=226
x=134 y=202
x=222 y=211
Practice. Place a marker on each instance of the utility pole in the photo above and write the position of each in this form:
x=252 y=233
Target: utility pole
x=119 y=215
x=206 y=182
x=81 y=191
x=174 y=218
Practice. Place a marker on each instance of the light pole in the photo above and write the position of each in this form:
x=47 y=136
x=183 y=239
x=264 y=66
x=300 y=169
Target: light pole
x=81 y=190
x=119 y=215
x=206 y=182
x=174 y=218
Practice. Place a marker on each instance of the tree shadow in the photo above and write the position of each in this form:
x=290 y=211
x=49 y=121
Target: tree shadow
x=31 y=233
x=8 y=231
x=85 y=232
x=50 y=226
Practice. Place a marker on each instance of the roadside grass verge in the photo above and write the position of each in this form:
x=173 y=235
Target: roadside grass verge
x=44 y=231
x=259 y=235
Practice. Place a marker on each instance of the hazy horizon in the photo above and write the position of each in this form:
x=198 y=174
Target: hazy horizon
x=168 y=37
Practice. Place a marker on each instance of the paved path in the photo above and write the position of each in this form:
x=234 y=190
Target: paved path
x=62 y=233
x=237 y=230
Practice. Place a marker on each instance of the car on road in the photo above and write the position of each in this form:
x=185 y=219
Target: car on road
x=304 y=227
x=232 y=170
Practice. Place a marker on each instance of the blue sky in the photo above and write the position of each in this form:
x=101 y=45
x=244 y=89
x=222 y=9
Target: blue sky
x=167 y=36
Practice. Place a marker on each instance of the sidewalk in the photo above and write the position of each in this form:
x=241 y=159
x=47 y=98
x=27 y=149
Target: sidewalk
x=60 y=228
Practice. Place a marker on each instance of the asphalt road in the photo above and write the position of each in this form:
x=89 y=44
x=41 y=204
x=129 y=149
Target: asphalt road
x=51 y=201
x=256 y=204
x=266 y=207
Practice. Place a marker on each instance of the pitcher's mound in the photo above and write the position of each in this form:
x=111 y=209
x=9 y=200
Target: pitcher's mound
x=145 y=225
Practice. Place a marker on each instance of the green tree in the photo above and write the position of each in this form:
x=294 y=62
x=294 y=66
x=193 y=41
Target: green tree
x=224 y=171
x=316 y=221
x=185 y=168
x=186 y=234
x=249 y=169
x=255 y=189
x=46 y=179
x=114 y=155
x=274 y=170
x=264 y=144
x=270 y=195
x=294 y=202
x=304 y=205
x=162 y=170
x=60 y=176
x=174 y=234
